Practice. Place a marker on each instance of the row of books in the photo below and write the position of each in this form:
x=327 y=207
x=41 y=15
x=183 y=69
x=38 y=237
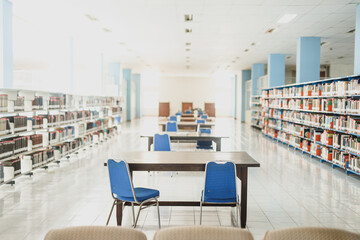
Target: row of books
x=13 y=146
x=42 y=156
x=57 y=101
x=37 y=103
x=19 y=104
x=328 y=88
x=336 y=105
x=3 y=102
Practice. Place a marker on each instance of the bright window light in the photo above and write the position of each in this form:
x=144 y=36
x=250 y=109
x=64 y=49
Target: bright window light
x=286 y=18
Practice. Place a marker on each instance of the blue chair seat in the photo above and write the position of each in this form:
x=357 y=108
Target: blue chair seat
x=205 y=130
x=218 y=200
x=204 y=145
x=142 y=194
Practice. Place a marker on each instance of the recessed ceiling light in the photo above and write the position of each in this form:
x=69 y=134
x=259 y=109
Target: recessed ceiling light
x=253 y=44
x=91 y=18
x=188 y=49
x=246 y=50
x=189 y=17
x=106 y=30
x=288 y=57
x=187 y=66
x=129 y=50
x=270 y=30
x=323 y=43
x=122 y=43
x=237 y=57
x=331 y=49
x=187 y=57
x=188 y=30
x=341 y=57
x=188 y=44
x=286 y=18
x=351 y=31
x=234 y=61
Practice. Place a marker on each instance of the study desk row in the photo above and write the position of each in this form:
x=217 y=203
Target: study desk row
x=188 y=137
x=188 y=125
x=188 y=161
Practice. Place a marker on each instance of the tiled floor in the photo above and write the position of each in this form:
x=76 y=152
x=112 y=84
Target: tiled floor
x=289 y=189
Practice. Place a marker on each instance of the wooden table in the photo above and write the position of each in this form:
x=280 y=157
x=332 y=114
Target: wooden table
x=188 y=136
x=188 y=124
x=189 y=161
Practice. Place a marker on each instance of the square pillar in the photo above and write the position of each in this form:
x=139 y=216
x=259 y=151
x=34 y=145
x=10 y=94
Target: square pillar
x=276 y=70
x=245 y=76
x=127 y=79
x=308 y=59
x=6 y=45
x=357 y=43
x=257 y=70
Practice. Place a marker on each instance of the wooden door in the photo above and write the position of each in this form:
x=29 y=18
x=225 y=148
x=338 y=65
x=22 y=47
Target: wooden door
x=164 y=109
x=187 y=106
x=210 y=109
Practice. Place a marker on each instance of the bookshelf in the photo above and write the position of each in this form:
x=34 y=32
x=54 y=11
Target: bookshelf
x=320 y=118
x=255 y=111
x=37 y=128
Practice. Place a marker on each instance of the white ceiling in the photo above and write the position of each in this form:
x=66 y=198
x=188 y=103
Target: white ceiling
x=152 y=32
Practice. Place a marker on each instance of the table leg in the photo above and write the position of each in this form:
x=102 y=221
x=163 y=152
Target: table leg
x=218 y=145
x=119 y=210
x=150 y=141
x=242 y=174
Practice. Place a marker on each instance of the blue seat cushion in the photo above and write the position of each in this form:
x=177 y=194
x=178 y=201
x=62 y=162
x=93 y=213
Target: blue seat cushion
x=204 y=145
x=218 y=200
x=142 y=194
x=205 y=130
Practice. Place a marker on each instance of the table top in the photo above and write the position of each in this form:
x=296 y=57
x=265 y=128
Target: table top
x=242 y=159
x=185 y=134
x=190 y=123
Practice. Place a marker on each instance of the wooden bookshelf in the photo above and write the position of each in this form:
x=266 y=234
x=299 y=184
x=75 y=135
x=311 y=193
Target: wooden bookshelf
x=37 y=128
x=320 y=118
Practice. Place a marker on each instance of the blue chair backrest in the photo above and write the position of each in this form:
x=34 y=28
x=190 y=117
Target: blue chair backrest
x=173 y=118
x=161 y=142
x=205 y=130
x=204 y=116
x=188 y=112
x=120 y=183
x=200 y=113
x=200 y=120
x=178 y=114
x=220 y=180
x=171 y=127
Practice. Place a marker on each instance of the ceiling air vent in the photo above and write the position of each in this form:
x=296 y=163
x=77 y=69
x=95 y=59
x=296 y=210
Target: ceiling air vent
x=270 y=30
x=341 y=57
x=323 y=43
x=189 y=17
x=246 y=50
x=90 y=17
x=351 y=31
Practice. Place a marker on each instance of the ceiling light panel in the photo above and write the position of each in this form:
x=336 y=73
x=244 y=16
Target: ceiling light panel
x=286 y=18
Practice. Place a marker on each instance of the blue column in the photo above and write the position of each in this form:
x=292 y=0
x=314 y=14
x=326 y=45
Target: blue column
x=136 y=78
x=357 y=43
x=6 y=45
x=245 y=76
x=308 y=59
x=257 y=70
x=114 y=71
x=276 y=70
x=127 y=79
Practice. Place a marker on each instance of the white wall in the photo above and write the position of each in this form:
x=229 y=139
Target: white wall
x=341 y=70
x=186 y=89
x=198 y=90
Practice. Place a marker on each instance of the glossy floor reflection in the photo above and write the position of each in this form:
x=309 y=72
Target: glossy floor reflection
x=289 y=189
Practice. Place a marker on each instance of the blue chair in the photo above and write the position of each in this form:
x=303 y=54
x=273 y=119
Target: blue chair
x=187 y=112
x=206 y=145
x=178 y=114
x=200 y=113
x=204 y=116
x=220 y=185
x=173 y=118
x=200 y=120
x=171 y=127
x=161 y=142
x=122 y=190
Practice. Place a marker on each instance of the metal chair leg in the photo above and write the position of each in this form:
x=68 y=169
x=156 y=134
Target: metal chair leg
x=138 y=214
x=133 y=213
x=112 y=208
x=238 y=214
x=158 y=210
x=200 y=212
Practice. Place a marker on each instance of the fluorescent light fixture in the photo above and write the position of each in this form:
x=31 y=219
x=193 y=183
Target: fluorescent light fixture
x=286 y=18
x=188 y=43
